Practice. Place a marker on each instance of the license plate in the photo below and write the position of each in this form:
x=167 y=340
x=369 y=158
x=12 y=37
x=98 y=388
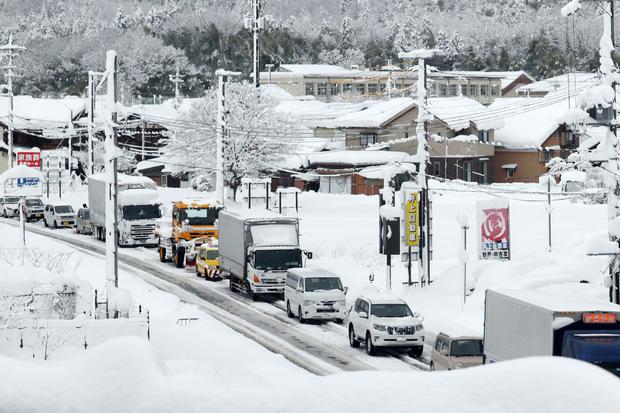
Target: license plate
x=401 y=339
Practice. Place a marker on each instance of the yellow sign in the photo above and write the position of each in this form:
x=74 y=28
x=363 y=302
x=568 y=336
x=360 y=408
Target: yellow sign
x=412 y=219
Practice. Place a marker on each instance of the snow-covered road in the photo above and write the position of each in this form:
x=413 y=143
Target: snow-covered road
x=319 y=348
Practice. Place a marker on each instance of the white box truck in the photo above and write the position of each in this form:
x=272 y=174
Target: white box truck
x=257 y=247
x=530 y=323
x=138 y=209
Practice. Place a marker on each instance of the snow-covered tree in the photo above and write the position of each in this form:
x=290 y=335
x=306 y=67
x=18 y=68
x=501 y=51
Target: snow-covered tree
x=258 y=137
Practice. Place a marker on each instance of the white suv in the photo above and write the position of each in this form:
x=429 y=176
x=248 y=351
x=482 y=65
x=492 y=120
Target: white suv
x=10 y=206
x=384 y=321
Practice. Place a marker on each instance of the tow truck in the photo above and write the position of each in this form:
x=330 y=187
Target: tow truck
x=191 y=219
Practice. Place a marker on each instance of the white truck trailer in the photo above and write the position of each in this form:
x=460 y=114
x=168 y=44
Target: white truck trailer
x=138 y=209
x=530 y=323
x=257 y=247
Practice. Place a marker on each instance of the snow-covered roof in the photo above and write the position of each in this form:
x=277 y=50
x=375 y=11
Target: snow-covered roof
x=318 y=70
x=313 y=272
x=560 y=83
x=528 y=122
x=457 y=112
x=375 y=114
x=560 y=301
x=356 y=158
x=506 y=78
x=125 y=179
x=593 y=136
x=41 y=113
x=138 y=197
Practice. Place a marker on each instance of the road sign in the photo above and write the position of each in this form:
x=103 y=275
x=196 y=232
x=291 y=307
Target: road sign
x=412 y=220
x=31 y=159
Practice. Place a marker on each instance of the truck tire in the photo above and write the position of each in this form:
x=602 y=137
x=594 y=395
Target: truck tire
x=371 y=350
x=289 y=313
x=179 y=257
x=353 y=342
x=45 y=223
x=300 y=316
x=162 y=254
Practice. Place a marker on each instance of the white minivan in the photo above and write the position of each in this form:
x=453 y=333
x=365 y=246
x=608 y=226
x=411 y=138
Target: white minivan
x=314 y=294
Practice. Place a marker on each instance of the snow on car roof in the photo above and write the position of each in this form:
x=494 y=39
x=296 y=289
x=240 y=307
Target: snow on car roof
x=138 y=197
x=124 y=179
x=560 y=301
x=256 y=214
x=382 y=298
x=313 y=272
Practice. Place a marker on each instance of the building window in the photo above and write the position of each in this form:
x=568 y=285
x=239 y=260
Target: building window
x=372 y=88
x=382 y=87
x=473 y=90
x=359 y=88
x=368 y=139
x=484 y=171
x=464 y=90
x=437 y=168
x=452 y=89
x=467 y=171
x=483 y=135
x=568 y=139
x=347 y=87
x=483 y=90
x=494 y=90
x=322 y=89
x=431 y=89
x=510 y=173
x=443 y=89
x=310 y=89
x=333 y=89
x=547 y=154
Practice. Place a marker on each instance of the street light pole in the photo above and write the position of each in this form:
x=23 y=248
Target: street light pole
x=223 y=77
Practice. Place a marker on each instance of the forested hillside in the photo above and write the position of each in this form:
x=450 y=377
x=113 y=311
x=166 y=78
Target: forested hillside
x=66 y=38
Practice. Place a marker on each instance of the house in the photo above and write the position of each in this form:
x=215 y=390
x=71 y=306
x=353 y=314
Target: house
x=461 y=144
x=329 y=83
x=570 y=82
x=535 y=130
x=356 y=172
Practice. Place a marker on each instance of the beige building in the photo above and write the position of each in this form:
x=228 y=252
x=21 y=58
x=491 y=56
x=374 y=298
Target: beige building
x=330 y=83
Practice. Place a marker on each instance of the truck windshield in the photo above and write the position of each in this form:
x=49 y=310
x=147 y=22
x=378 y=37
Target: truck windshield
x=464 y=348
x=391 y=310
x=323 y=284
x=63 y=209
x=34 y=202
x=202 y=216
x=265 y=260
x=135 y=212
x=213 y=255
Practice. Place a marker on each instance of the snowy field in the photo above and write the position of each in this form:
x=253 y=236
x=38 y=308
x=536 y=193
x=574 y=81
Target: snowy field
x=205 y=365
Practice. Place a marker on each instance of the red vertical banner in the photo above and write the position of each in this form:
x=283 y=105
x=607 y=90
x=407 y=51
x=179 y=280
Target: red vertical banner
x=494 y=224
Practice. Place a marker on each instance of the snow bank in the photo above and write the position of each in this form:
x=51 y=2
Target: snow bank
x=126 y=375
x=572 y=7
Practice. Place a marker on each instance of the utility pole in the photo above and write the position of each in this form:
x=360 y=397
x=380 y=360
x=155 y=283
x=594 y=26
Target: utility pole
x=11 y=51
x=549 y=209
x=256 y=23
x=111 y=170
x=177 y=80
x=222 y=127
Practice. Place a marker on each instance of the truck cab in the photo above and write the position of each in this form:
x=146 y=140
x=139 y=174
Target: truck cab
x=191 y=219
x=601 y=347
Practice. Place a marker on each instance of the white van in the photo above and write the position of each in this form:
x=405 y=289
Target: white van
x=313 y=293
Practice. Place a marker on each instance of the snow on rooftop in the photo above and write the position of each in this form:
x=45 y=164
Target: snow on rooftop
x=561 y=82
x=375 y=114
x=41 y=113
x=506 y=78
x=528 y=122
x=313 y=69
x=356 y=158
x=561 y=301
x=125 y=179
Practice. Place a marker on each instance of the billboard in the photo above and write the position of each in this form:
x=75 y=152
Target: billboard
x=494 y=224
x=31 y=159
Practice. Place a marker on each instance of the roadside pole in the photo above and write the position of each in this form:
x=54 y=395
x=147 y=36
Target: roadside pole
x=222 y=127
x=464 y=224
x=111 y=167
x=10 y=50
x=549 y=209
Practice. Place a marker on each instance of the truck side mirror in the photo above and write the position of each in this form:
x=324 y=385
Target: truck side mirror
x=309 y=254
x=346 y=290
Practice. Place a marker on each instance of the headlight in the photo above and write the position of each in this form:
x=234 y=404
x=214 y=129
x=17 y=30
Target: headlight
x=378 y=327
x=458 y=365
x=419 y=327
x=307 y=303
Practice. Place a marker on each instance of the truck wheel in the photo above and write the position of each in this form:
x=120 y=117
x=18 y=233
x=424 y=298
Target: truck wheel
x=162 y=254
x=45 y=223
x=289 y=313
x=179 y=257
x=198 y=272
x=416 y=352
x=55 y=225
x=432 y=368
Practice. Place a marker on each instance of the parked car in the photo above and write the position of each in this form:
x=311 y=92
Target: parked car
x=312 y=293
x=34 y=208
x=457 y=352
x=82 y=221
x=60 y=215
x=385 y=321
x=10 y=206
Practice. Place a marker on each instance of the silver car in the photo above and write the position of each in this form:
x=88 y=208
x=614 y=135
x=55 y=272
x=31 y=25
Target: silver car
x=456 y=352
